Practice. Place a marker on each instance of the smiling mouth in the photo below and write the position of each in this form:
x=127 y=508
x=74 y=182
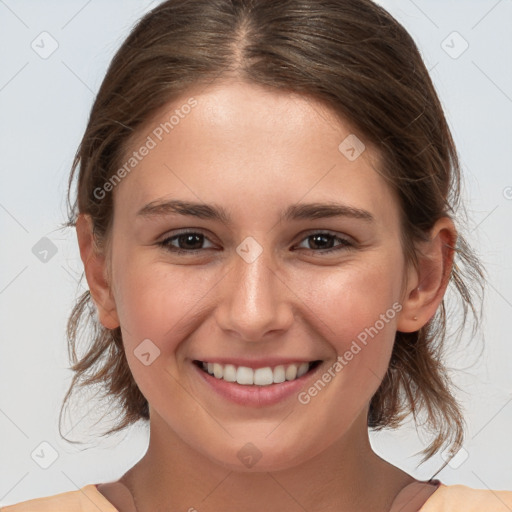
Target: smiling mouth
x=257 y=377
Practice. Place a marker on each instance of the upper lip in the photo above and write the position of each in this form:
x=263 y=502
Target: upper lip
x=256 y=363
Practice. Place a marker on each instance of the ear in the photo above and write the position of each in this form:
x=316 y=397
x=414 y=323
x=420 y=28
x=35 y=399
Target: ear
x=95 y=265
x=427 y=284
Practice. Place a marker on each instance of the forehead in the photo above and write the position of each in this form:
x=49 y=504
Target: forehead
x=233 y=141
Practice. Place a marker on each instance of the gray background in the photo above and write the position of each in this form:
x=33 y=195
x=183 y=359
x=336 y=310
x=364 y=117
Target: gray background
x=44 y=104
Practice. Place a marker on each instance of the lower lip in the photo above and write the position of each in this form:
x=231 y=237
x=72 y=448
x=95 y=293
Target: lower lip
x=257 y=396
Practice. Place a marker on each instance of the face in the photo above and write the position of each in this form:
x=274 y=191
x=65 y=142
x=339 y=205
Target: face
x=290 y=253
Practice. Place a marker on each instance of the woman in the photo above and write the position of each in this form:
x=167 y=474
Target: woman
x=266 y=213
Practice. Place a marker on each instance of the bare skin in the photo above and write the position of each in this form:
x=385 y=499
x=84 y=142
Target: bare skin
x=255 y=152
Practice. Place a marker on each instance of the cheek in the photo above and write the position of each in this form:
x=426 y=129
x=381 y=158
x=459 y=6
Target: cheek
x=353 y=297
x=355 y=309
x=156 y=302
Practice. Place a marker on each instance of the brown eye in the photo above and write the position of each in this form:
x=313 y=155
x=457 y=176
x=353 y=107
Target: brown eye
x=326 y=242
x=187 y=242
x=190 y=241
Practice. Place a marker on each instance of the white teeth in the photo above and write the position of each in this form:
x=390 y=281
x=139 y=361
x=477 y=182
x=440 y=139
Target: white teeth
x=279 y=374
x=245 y=375
x=303 y=368
x=263 y=376
x=229 y=373
x=259 y=377
x=217 y=370
x=291 y=372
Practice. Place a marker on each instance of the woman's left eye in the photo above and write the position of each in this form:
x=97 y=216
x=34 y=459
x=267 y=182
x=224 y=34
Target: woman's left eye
x=191 y=242
x=324 y=242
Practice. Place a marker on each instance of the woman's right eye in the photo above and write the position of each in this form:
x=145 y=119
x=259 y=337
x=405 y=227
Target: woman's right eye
x=188 y=242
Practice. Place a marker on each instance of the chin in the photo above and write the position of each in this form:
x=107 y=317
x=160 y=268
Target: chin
x=262 y=456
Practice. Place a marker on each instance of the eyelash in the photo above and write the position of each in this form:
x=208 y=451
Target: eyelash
x=345 y=243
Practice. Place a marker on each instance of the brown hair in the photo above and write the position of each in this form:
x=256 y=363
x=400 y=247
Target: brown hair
x=360 y=62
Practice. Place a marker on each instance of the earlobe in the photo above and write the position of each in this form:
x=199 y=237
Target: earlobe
x=95 y=266
x=428 y=283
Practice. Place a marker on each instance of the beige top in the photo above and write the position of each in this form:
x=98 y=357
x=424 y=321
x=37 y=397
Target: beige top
x=446 y=498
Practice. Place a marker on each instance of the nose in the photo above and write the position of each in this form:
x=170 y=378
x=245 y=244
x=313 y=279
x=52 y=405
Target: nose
x=255 y=300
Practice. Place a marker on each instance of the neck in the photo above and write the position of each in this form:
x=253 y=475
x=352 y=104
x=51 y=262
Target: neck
x=347 y=476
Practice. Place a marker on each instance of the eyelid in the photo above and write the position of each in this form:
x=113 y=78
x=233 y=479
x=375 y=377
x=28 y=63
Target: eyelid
x=184 y=231
x=341 y=236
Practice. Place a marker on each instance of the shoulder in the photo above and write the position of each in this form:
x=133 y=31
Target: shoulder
x=452 y=498
x=86 y=499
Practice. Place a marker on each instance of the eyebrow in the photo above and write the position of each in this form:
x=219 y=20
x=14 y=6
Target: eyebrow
x=309 y=211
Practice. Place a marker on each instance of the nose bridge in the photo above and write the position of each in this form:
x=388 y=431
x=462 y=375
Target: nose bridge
x=256 y=301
